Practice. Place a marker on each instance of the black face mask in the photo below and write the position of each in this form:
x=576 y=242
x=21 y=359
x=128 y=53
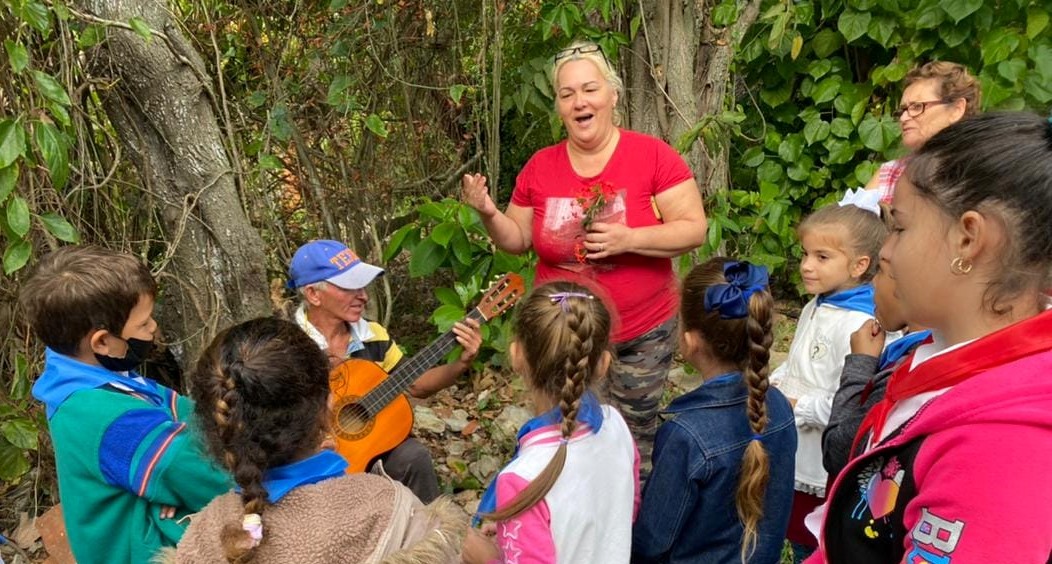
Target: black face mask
x=138 y=350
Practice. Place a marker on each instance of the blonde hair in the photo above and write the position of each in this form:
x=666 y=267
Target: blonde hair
x=955 y=83
x=563 y=330
x=865 y=230
x=745 y=342
x=598 y=58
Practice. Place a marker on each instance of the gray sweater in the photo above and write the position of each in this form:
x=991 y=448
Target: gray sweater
x=849 y=408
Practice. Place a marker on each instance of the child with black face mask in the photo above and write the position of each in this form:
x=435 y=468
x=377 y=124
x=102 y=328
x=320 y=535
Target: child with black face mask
x=129 y=466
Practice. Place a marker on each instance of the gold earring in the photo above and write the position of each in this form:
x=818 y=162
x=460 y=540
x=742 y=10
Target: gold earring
x=960 y=266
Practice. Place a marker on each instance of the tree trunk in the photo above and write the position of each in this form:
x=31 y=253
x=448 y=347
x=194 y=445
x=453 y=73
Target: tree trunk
x=161 y=105
x=678 y=74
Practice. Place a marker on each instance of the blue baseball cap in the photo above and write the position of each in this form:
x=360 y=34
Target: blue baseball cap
x=332 y=262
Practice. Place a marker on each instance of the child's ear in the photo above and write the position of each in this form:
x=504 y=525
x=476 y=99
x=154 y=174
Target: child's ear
x=604 y=364
x=861 y=265
x=690 y=343
x=99 y=342
x=515 y=355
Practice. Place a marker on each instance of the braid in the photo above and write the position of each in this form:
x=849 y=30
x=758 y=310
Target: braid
x=246 y=466
x=564 y=331
x=755 y=471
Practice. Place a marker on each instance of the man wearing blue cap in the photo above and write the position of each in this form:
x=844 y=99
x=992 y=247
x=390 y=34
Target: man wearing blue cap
x=332 y=280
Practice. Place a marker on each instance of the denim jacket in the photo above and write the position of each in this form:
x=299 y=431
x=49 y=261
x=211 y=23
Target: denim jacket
x=688 y=513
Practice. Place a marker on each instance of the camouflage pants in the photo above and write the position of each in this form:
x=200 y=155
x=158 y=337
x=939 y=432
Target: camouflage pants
x=636 y=383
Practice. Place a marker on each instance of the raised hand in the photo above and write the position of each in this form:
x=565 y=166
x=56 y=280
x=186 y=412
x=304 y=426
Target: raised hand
x=869 y=339
x=475 y=194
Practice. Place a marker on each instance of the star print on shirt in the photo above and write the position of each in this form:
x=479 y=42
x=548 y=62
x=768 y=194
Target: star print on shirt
x=510 y=534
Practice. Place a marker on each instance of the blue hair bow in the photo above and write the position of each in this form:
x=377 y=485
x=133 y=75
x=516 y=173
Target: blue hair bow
x=732 y=298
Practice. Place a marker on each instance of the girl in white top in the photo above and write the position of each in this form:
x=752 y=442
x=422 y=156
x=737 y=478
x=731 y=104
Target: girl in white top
x=570 y=493
x=841 y=244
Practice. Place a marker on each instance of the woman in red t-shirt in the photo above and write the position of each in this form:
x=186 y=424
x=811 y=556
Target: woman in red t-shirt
x=606 y=207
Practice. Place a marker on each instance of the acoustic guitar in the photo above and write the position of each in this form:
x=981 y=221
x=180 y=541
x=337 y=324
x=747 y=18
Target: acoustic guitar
x=371 y=414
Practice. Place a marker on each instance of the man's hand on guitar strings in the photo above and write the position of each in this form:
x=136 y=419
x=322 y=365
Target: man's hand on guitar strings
x=469 y=337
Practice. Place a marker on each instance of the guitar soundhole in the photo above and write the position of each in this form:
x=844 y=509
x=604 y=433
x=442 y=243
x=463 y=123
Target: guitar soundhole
x=350 y=421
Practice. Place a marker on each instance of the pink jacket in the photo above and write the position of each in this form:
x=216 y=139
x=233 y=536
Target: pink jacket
x=965 y=480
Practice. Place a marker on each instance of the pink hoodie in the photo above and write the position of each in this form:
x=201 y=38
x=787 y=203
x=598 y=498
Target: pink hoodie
x=966 y=480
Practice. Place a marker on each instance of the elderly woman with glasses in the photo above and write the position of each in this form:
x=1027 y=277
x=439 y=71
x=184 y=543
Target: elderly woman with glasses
x=937 y=95
x=607 y=207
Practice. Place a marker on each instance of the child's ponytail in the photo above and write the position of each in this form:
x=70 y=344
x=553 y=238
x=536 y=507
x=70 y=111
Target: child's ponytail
x=752 y=483
x=729 y=305
x=261 y=390
x=564 y=331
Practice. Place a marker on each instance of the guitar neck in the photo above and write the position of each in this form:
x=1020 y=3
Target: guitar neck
x=407 y=372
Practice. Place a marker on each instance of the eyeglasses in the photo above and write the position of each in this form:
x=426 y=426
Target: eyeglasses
x=581 y=49
x=915 y=109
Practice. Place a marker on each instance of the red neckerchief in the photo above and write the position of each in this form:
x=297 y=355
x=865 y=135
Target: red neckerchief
x=1006 y=345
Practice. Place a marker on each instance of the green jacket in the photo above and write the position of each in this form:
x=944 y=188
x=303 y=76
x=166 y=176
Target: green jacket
x=122 y=452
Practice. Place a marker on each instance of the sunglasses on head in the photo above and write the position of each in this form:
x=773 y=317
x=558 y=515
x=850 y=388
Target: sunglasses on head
x=579 y=50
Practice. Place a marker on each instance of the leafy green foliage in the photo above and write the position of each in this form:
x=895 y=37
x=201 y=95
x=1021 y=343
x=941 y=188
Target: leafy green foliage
x=448 y=235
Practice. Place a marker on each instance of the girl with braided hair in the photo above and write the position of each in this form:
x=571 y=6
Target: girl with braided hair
x=262 y=392
x=570 y=492
x=722 y=485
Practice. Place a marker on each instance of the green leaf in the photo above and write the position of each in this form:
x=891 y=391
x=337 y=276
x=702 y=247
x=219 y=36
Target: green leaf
x=865 y=170
x=50 y=87
x=91 y=36
x=17 y=55
x=59 y=227
x=753 y=157
x=840 y=151
x=445 y=316
x=427 y=257
x=801 y=169
x=998 y=45
x=461 y=248
x=256 y=99
x=36 y=15
x=21 y=433
x=432 y=209
x=769 y=191
x=337 y=94
x=1036 y=21
x=826 y=42
x=775 y=97
x=140 y=27
x=398 y=238
x=960 y=9
x=816 y=131
x=270 y=162
x=335 y=5
x=826 y=89
x=8 y=177
x=853 y=24
x=12 y=141
x=895 y=72
x=633 y=26
x=448 y=296
x=953 y=35
x=443 y=232
x=791 y=148
x=16 y=256
x=878 y=135
x=881 y=29
x=929 y=15
x=18 y=216
x=1012 y=70
x=1038 y=88
x=54 y=148
x=1040 y=54
x=13 y=462
x=770 y=171
x=279 y=122
x=22 y=384
x=376 y=125
x=456 y=92
x=841 y=127
x=819 y=68
x=725 y=13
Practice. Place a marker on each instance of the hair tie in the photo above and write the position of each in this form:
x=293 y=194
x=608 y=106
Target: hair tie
x=868 y=200
x=252 y=523
x=732 y=298
x=564 y=441
x=561 y=297
x=757 y=437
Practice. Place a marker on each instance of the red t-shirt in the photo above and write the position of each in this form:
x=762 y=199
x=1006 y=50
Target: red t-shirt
x=643 y=289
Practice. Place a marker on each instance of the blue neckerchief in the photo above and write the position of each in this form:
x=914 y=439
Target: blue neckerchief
x=859 y=298
x=64 y=375
x=590 y=413
x=900 y=348
x=281 y=480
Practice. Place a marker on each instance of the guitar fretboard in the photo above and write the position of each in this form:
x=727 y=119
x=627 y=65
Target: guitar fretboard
x=407 y=372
